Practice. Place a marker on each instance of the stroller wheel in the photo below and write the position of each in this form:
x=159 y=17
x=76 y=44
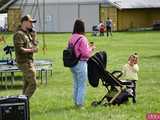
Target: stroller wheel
x=106 y=104
x=94 y=103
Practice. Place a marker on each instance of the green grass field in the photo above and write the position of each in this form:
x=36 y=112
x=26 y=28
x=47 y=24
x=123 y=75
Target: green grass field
x=54 y=101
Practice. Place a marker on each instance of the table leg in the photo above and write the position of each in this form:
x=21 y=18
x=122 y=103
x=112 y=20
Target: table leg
x=41 y=75
x=6 y=81
x=46 y=76
x=1 y=78
x=12 y=79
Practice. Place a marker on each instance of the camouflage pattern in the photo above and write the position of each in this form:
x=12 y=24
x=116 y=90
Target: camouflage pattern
x=29 y=74
x=22 y=39
x=25 y=61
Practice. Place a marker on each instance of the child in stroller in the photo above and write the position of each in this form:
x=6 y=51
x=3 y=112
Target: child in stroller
x=130 y=73
x=116 y=89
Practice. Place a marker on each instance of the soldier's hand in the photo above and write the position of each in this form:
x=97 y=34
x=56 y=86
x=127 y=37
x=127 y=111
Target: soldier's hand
x=34 y=49
x=33 y=35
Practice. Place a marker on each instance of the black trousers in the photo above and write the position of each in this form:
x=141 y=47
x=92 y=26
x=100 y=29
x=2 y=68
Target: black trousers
x=109 y=30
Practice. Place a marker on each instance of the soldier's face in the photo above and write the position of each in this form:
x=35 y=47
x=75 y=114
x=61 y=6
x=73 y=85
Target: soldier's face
x=29 y=25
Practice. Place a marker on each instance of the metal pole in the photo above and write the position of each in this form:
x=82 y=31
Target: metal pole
x=43 y=34
x=78 y=10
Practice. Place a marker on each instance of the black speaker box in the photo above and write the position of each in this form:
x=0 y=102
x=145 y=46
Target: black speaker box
x=14 y=108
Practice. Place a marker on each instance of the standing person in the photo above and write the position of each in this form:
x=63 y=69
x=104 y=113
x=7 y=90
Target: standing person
x=101 y=28
x=109 y=26
x=25 y=46
x=130 y=72
x=83 y=50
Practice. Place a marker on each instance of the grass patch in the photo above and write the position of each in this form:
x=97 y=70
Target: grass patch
x=54 y=101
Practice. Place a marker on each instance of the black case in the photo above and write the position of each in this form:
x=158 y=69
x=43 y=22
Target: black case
x=14 y=108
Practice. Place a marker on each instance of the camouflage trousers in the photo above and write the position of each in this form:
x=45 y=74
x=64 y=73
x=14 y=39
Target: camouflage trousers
x=29 y=74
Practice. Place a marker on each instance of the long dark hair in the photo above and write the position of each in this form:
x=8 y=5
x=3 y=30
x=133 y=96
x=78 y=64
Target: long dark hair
x=79 y=27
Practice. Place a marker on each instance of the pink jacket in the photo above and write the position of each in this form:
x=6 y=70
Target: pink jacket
x=82 y=47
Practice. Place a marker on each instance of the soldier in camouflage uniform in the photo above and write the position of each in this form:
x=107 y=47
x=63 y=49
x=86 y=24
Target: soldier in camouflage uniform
x=25 y=46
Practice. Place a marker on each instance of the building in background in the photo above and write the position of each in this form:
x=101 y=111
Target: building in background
x=59 y=15
x=131 y=14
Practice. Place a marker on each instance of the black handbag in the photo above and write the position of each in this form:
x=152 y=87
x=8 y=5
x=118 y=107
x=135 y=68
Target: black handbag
x=69 y=56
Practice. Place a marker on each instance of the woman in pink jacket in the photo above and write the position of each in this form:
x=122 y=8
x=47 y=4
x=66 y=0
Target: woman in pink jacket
x=79 y=71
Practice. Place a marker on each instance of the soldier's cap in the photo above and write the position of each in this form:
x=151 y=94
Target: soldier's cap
x=28 y=18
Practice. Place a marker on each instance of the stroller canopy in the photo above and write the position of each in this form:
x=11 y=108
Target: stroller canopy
x=96 y=64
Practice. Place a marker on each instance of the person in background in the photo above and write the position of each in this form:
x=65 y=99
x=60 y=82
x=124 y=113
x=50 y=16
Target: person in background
x=101 y=28
x=84 y=51
x=109 y=26
x=130 y=71
x=25 y=46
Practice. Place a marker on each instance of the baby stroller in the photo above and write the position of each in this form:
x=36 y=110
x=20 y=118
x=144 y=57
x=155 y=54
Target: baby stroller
x=95 y=30
x=118 y=91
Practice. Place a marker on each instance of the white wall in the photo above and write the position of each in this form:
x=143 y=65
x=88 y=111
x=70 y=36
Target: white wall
x=50 y=19
x=3 y=20
x=61 y=17
x=90 y=14
x=67 y=15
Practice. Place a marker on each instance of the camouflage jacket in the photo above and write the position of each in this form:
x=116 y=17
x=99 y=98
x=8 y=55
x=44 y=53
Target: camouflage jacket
x=22 y=39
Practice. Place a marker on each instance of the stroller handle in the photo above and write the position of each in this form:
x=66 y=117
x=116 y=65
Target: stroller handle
x=117 y=73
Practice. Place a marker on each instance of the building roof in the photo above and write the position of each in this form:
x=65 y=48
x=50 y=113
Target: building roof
x=31 y=2
x=62 y=1
x=135 y=4
x=120 y=4
x=6 y=4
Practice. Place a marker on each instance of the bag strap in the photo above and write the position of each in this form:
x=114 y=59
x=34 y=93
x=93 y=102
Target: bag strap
x=75 y=45
x=76 y=41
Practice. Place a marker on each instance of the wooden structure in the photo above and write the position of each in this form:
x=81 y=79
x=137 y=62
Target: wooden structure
x=14 y=18
x=131 y=14
x=111 y=12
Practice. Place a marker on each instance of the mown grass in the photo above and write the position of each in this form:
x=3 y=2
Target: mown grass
x=54 y=101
